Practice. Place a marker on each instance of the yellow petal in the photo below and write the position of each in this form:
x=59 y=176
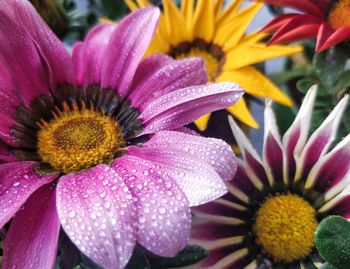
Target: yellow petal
x=158 y=45
x=255 y=83
x=230 y=32
x=253 y=38
x=175 y=22
x=187 y=12
x=218 y=7
x=203 y=25
x=131 y=4
x=143 y=3
x=202 y=122
x=247 y=54
x=241 y=112
x=229 y=12
x=106 y=20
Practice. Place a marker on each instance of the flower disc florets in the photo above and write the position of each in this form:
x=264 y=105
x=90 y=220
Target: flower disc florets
x=79 y=139
x=76 y=131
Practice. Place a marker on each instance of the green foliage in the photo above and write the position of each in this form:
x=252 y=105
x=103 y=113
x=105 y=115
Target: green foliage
x=328 y=70
x=333 y=240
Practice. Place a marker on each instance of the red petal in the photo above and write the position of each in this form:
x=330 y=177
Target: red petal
x=327 y=37
x=298 y=28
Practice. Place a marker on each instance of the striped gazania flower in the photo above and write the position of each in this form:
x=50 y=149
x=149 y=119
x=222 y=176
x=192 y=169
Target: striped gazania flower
x=274 y=205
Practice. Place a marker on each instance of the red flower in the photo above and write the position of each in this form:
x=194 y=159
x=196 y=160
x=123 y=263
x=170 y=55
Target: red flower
x=328 y=21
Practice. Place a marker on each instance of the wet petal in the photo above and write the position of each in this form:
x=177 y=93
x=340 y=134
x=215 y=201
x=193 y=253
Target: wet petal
x=96 y=210
x=17 y=182
x=59 y=62
x=164 y=217
x=128 y=44
x=178 y=108
x=33 y=235
x=21 y=58
x=175 y=75
x=95 y=47
x=198 y=181
x=214 y=152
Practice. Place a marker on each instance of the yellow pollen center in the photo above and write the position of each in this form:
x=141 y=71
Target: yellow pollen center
x=285 y=226
x=211 y=62
x=339 y=14
x=78 y=139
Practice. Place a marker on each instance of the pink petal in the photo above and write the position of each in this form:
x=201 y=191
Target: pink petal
x=331 y=174
x=339 y=206
x=128 y=44
x=5 y=130
x=96 y=211
x=320 y=141
x=295 y=138
x=298 y=28
x=17 y=182
x=178 y=108
x=214 y=152
x=78 y=62
x=33 y=235
x=95 y=47
x=272 y=149
x=148 y=66
x=198 y=180
x=251 y=157
x=6 y=155
x=328 y=37
x=175 y=75
x=58 y=60
x=21 y=58
x=164 y=217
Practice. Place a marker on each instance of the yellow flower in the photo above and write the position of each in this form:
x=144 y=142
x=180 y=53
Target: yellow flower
x=218 y=35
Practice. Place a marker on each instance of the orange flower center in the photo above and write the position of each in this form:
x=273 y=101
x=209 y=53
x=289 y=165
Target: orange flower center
x=78 y=139
x=339 y=15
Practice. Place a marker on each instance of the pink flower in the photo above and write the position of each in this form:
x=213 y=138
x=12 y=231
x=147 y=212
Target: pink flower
x=94 y=141
x=274 y=204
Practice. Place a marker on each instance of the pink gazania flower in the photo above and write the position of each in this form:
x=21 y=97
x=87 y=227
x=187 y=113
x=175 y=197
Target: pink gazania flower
x=327 y=20
x=94 y=141
x=269 y=216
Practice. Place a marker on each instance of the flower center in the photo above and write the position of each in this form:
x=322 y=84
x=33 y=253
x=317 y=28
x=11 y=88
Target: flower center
x=339 y=14
x=212 y=55
x=285 y=227
x=78 y=139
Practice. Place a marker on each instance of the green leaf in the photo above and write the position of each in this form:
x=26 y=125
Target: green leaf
x=333 y=240
x=329 y=64
x=284 y=116
x=304 y=85
x=343 y=81
x=138 y=259
x=189 y=255
x=328 y=266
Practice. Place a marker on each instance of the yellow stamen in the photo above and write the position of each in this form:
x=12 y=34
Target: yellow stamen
x=78 y=139
x=285 y=226
x=339 y=14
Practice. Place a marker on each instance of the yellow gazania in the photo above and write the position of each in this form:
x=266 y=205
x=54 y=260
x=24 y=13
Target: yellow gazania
x=219 y=37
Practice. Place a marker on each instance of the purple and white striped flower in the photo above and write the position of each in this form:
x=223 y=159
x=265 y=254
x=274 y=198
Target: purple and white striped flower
x=274 y=204
x=94 y=141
